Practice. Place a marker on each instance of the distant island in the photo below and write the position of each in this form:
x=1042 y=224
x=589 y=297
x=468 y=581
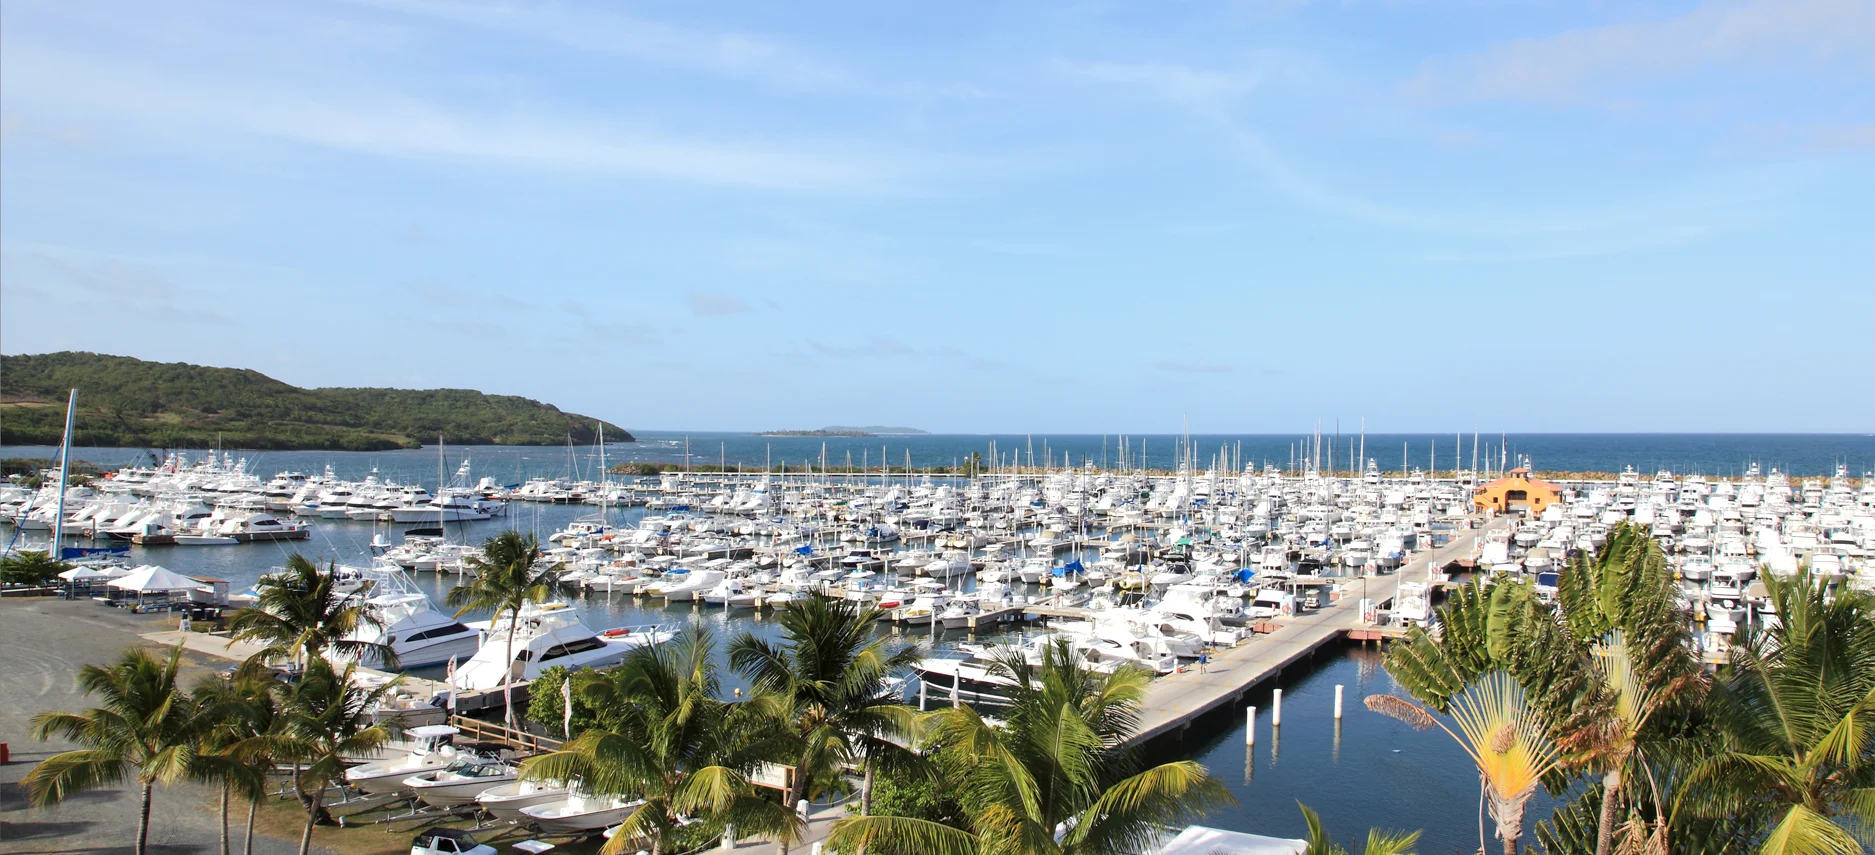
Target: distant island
x=126 y=402
x=843 y=430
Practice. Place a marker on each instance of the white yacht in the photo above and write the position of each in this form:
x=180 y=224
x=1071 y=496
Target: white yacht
x=548 y=634
x=505 y=801
x=430 y=752
x=412 y=627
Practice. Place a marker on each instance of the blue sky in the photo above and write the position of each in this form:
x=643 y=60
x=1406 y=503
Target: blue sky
x=1094 y=217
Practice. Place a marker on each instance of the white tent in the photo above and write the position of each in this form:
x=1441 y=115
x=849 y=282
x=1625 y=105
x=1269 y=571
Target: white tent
x=81 y=574
x=150 y=579
x=1199 y=840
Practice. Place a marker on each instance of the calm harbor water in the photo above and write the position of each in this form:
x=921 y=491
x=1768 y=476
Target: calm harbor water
x=1368 y=771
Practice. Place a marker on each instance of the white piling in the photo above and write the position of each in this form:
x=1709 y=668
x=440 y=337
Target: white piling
x=1250 y=726
x=1337 y=702
x=1276 y=710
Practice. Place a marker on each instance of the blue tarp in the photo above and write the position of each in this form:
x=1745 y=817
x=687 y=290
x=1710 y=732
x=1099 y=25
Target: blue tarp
x=70 y=552
x=1070 y=567
x=1244 y=574
x=804 y=550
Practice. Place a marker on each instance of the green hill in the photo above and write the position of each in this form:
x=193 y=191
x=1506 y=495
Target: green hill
x=130 y=402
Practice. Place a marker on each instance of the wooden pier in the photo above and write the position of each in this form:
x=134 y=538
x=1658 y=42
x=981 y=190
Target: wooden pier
x=1175 y=701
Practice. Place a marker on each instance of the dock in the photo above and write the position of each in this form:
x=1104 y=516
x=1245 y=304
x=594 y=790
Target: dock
x=1175 y=701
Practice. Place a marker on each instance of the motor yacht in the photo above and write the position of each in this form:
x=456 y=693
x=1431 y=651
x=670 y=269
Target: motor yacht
x=430 y=751
x=578 y=812
x=547 y=634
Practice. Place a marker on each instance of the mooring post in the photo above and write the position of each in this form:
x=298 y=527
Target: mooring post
x=1250 y=726
x=1276 y=710
x=1337 y=702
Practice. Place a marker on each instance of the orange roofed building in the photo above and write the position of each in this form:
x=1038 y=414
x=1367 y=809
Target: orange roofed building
x=1517 y=491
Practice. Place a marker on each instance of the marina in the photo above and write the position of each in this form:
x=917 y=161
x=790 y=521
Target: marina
x=1229 y=586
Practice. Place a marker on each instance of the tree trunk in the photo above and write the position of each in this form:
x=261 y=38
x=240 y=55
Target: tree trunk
x=312 y=818
x=865 y=787
x=1611 y=809
x=143 y=819
x=247 y=844
x=1510 y=846
x=224 y=818
x=797 y=790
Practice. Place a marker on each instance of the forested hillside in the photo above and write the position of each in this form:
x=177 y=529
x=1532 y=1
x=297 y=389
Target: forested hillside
x=129 y=402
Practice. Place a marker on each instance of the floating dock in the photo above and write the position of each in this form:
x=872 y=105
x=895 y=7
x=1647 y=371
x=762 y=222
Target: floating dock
x=1175 y=701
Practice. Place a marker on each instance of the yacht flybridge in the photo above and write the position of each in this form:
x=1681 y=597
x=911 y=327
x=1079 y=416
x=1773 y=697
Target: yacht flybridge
x=412 y=627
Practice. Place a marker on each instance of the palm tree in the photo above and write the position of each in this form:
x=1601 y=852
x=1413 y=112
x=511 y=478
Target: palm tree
x=228 y=708
x=1598 y=675
x=1796 y=708
x=1378 y=842
x=325 y=719
x=827 y=686
x=146 y=727
x=301 y=615
x=666 y=737
x=1055 y=778
x=1504 y=735
x=506 y=580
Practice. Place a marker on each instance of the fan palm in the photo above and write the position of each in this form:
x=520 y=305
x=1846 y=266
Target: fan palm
x=324 y=721
x=300 y=614
x=827 y=686
x=1597 y=675
x=1505 y=737
x=507 y=578
x=1796 y=708
x=1055 y=778
x=145 y=727
x=665 y=737
x=1378 y=842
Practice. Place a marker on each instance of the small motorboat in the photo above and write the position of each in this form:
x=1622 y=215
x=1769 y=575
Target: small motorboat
x=505 y=801
x=430 y=752
x=578 y=812
x=460 y=782
x=205 y=540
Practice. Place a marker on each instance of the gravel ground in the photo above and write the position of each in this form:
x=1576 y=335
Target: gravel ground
x=43 y=642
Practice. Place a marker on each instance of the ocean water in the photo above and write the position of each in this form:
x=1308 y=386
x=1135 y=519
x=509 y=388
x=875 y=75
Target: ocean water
x=1706 y=454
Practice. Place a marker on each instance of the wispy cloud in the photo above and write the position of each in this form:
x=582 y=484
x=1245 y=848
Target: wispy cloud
x=1567 y=66
x=450 y=296
x=382 y=122
x=728 y=54
x=109 y=278
x=1191 y=367
x=709 y=304
x=1180 y=83
x=876 y=346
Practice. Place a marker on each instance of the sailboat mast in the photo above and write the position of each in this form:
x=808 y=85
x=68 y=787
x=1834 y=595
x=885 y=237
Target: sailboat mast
x=56 y=549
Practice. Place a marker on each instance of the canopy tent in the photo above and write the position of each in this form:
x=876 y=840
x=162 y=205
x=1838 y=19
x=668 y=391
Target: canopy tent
x=1199 y=840
x=83 y=574
x=150 y=579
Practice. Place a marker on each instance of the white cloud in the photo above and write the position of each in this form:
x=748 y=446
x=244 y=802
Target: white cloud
x=711 y=304
x=1567 y=66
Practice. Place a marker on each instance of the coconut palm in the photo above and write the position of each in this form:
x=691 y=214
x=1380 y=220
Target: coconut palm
x=665 y=737
x=1505 y=737
x=300 y=614
x=228 y=709
x=826 y=684
x=1378 y=842
x=146 y=727
x=1796 y=708
x=508 y=577
x=1055 y=778
x=324 y=721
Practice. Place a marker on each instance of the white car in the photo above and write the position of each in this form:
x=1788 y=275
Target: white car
x=448 y=841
